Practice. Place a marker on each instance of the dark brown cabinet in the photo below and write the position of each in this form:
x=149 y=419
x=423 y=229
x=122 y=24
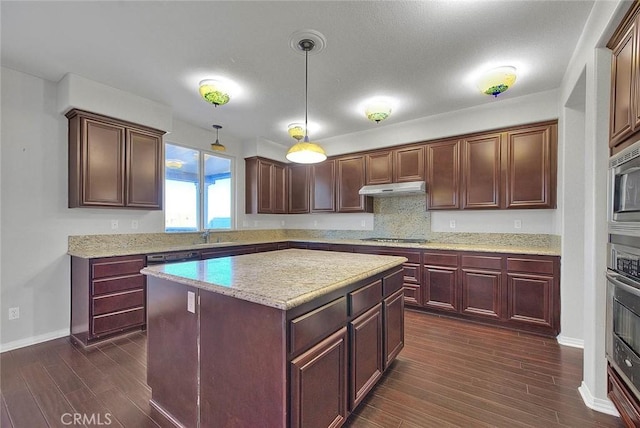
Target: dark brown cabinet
x=113 y=163
x=531 y=155
x=443 y=175
x=265 y=186
x=481 y=285
x=298 y=186
x=108 y=296
x=481 y=171
x=379 y=167
x=393 y=316
x=408 y=164
x=624 y=117
x=323 y=186
x=350 y=177
x=441 y=281
x=532 y=292
x=323 y=367
x=367 y=357
x=623 y=399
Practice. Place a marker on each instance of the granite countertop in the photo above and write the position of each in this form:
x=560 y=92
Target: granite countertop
x=160 y=248
x=281 y=279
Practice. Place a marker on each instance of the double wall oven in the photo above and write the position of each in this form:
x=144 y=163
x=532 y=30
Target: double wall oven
x=623 y=267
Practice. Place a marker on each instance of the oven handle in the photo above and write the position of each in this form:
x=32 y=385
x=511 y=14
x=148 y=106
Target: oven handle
x=624 y=283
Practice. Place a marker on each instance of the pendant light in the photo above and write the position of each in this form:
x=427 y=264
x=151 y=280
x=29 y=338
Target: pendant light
x=305 y=151
x=217 y=146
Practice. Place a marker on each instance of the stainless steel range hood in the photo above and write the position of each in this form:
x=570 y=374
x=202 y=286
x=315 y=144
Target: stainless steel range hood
x=394 y=189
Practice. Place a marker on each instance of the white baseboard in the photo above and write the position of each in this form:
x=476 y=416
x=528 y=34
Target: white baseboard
x=597 y=404
x=4 y=347
x=570 y=341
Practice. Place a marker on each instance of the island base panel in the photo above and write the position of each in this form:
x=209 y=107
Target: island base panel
x=172 y=351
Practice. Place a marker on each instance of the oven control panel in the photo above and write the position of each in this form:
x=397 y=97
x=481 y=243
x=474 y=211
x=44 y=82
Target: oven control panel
x=627 y=264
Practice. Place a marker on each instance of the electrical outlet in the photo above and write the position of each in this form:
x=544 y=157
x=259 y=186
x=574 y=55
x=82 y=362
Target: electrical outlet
x=517 y=224
x=363 y=223
x=114 y=224
x=452 y=224
x=315 y=223
x=14 y=313
x=134 y=224
x=282 y=223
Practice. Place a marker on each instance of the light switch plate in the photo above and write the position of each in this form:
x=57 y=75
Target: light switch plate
x=191 y=302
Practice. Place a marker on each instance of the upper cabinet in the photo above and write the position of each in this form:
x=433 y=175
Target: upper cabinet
x=624 y=117
x=323 y=186
x=350 y=178
x=395 y=166
x=113 y=163
x=266 y=186
x=298 y=187
x=443 y=175
x=509 y=169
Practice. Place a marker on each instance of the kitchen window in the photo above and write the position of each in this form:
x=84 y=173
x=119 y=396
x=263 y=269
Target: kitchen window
x=198 y=190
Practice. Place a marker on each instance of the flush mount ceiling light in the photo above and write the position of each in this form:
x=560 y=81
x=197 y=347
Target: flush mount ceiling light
x=496 y=81
x=377 y=111
x=174 y=163
x=217 y=146
x=214 y=91
x=296 y=130
x=305 y=151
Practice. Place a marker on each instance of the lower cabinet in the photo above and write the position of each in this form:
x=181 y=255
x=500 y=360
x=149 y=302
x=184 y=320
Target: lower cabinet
x=108 y=296
x=367 y=359
x=393 y=317
x=321 y=368
x=482 y=286
x=441 y=289
x=622 y=398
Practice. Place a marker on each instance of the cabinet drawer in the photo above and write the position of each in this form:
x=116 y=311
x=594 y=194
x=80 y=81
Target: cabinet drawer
x=412 y=295
x=118 y=302
x=482 y=262
x=118 y=321
x=529 y=265
x=365 y=297
x=392 y=283
x=313 y=326
x=411 y=273
x=113 y=285
x=440 y=259
x=107 y=267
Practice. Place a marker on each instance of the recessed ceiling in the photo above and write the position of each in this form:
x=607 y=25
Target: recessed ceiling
x=421 y=53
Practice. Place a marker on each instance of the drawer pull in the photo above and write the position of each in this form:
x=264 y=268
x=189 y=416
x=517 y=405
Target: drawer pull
x=628 y=363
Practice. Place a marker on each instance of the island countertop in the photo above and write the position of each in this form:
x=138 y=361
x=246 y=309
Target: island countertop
x=281 y=279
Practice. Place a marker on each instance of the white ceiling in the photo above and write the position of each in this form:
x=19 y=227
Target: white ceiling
x=423 y=53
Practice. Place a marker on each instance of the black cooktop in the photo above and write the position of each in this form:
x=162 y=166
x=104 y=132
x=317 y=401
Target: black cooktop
x=397 y=240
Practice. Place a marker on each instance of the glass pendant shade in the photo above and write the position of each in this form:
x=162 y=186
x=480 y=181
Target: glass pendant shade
x=378 y=111
x=214 y=92
x=306 y=152
x=496 y=81
x=217 y=146
x=296 y=130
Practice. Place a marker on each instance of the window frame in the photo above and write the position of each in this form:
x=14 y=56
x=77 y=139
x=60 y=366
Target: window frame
x=201 y=198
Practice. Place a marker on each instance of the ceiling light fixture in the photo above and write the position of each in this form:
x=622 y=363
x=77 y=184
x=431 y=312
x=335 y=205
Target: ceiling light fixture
x=217 y=146
x=497 y=80
x=296 y=130
x=306 y=152
x=214 y=91
x=174 y=163
x=378 y=110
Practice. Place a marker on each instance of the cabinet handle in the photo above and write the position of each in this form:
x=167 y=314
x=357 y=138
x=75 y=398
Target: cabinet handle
x=628 y=363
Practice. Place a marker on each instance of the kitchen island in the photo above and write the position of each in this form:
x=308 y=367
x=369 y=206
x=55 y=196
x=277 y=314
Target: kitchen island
x=284 y=338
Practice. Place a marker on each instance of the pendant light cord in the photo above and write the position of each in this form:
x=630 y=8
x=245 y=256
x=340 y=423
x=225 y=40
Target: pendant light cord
x=306 y=94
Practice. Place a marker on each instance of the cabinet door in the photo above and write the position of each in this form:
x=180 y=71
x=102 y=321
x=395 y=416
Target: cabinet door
x=144 y=169
x=379 y=167
x=319 y=384
x=530 y=299
x=393 y=314
x=279 y=189
x=408 y=164
x=443 y=171
x=350 y=178
x=265 y=186
x=481 y=171
x=482 y=293
x=441 y=288
x=412 y=284
x=367 y=362
x=323 y=187
x=298 y=188
x=623 y=74
x=103 y=157
x=531 y=167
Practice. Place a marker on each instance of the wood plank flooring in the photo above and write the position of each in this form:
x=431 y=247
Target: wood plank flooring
x=450 y=374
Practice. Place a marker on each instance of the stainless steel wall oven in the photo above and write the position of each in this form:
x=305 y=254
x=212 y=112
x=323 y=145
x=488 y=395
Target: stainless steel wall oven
x=624 y=186
x=623 y=309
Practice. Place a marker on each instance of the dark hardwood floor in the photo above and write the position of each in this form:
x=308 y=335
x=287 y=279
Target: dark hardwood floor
x=450 y=374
